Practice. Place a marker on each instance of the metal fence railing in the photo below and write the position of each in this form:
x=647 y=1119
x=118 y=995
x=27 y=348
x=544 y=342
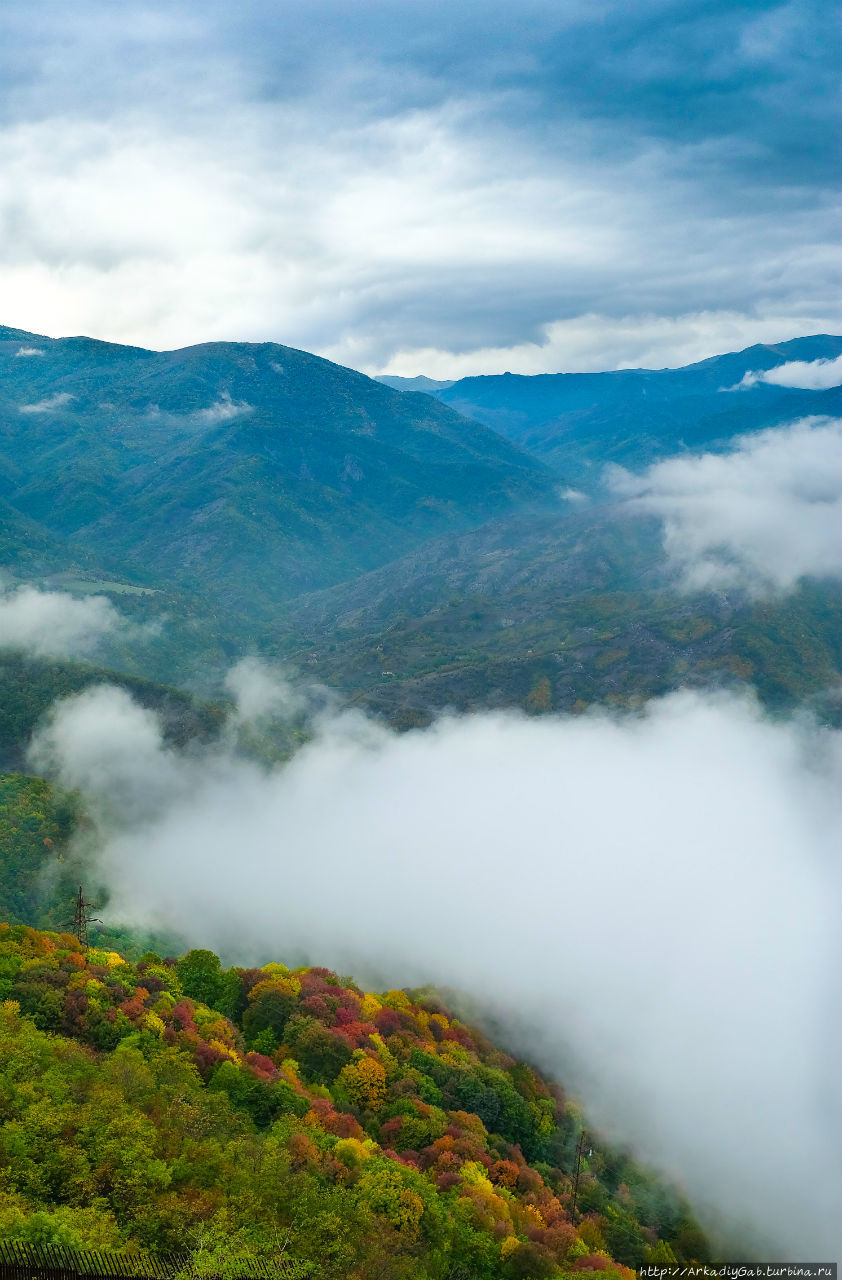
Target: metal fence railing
x=21 y=1261
x=18 y=1261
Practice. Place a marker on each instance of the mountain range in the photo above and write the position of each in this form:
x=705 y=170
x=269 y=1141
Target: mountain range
x=416 y=550
x=245 y=472
x=579 y=422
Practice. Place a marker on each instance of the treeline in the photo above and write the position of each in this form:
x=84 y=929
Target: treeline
x=36 y=822
x=171 y=1102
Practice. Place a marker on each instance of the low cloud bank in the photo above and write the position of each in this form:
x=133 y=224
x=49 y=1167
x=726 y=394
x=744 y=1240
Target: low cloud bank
x=812 y=375
x=53 y=624
x=651 y=899
x=760 y=517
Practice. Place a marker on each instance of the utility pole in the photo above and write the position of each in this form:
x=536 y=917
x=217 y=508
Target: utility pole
x=81 y=918
x=580 y=1151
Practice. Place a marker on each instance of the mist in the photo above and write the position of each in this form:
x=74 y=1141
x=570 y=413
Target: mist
x=53 y=624
x=758 y=517
x=649 y=903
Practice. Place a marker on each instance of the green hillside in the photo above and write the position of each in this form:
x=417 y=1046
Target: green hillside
x=243 y=473
x=258 y=1112
x=553 y=613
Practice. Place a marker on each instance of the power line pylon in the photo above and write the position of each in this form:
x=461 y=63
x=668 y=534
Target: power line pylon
x=81 y=918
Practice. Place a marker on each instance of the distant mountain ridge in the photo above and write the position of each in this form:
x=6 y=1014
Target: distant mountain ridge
x=248 y=472
x=577 y=422
x=419 y=383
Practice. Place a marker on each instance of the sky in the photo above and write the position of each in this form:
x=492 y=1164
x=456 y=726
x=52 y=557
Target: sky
x=426 y=188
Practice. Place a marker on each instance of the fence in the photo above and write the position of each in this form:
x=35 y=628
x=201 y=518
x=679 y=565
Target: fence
x=19 y=1261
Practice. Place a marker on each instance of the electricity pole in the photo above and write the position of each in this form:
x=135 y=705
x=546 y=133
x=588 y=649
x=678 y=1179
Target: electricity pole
x=81 y=918
x=580 y=1151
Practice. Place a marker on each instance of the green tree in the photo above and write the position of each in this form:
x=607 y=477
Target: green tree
x=321 y=1054
x=269 y=1011
x=224 y=1252
x=200 y=976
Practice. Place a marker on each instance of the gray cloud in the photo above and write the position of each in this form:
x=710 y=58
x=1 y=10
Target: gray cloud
x=52 y=624
x=760 y=517
x=452 y=191
x=655 y=895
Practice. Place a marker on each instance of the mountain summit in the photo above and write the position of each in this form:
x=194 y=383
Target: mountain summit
x=247 y=471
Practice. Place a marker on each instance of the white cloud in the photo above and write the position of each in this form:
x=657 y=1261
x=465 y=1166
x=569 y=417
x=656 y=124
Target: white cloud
x=760 y=517
x=103 y=733
x=813 y=375
x=262 y=692
x=593 y=342
x=48 y=404
x=30 y=351
x=649 y=902
x=52 y=624
x=222 y=410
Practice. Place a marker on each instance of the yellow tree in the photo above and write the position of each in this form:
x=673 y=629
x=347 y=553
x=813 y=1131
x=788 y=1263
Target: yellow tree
x=365 y=1081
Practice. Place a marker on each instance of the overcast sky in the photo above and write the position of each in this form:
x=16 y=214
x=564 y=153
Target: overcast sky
x=428 y=187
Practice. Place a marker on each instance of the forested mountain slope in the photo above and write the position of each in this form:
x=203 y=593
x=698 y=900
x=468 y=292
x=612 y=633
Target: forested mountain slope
x=147 y=1105
x=242 y=472
x=554 y=612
